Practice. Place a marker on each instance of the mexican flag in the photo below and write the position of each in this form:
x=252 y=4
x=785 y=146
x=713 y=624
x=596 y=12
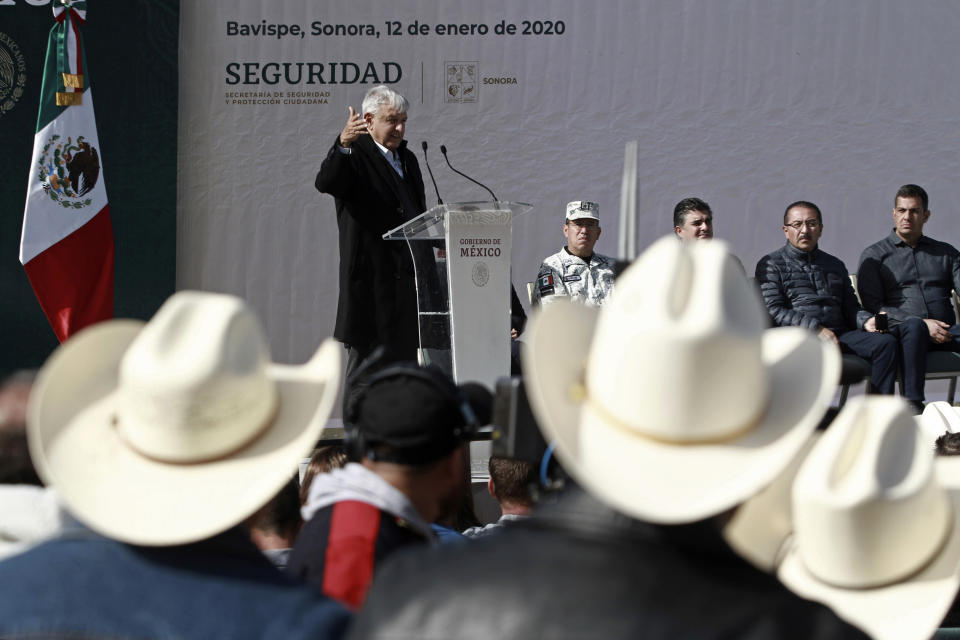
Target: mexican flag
x=67 y=243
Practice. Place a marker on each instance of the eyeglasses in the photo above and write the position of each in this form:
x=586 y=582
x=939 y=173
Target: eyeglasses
x=809 y=224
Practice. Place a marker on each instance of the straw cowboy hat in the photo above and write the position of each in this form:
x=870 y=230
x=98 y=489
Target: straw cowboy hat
x=877 y=523
x=673 y=402
x=170 y=432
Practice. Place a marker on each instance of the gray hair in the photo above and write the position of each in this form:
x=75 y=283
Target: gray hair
x=383 y=95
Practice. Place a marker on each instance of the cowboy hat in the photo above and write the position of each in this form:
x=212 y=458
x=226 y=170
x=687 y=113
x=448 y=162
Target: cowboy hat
x=762 y=524
x=673 y=403
x=169 y=432
x=877 y=523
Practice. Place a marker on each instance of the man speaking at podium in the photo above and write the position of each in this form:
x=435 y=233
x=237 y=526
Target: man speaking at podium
x=377 y=185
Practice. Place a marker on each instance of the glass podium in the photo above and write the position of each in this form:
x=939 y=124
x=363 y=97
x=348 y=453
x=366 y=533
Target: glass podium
x=461 y=258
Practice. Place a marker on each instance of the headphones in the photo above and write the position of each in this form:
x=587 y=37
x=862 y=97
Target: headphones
x=359 y=386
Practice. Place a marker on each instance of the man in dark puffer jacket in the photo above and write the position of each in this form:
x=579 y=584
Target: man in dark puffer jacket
x=803 y=286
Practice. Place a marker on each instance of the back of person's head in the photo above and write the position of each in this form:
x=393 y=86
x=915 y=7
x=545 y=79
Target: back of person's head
x=281 y=516
x=136 y=424
x=948 y=444
x=512 y=480
x=15 y=464
x=940 y=421
x=324 y=460
x=413 y=416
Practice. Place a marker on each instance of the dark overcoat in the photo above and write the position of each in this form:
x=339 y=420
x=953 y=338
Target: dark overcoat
x=377 y=303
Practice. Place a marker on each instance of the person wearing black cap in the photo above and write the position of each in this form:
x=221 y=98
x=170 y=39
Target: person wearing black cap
x=404 y=431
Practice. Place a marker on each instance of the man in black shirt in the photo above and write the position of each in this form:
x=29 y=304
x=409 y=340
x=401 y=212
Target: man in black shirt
x=909 y=276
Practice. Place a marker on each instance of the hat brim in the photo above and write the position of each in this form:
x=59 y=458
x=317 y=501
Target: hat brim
x=911 y=608
x=128 y=497
x=763 y=523
x=663 y=482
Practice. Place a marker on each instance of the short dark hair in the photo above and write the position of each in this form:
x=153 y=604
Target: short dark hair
x=805 y=205
x=912 y=191
x=948 y=444
x=324 y=460
x=687 y=205
x=512 y=479
x=282 y=514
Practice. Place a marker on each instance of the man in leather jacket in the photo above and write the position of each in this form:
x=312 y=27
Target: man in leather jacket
x=579 y=569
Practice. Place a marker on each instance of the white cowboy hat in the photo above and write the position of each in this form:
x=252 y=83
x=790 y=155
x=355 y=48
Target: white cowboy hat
x=938 y=418
x=762 y=524
x=673 y=403
x=877 y=523
x=170 y=432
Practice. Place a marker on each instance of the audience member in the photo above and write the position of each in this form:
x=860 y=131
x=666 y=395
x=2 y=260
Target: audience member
x=510 y=485
x=274 y=526
x=948 y=444
x=324 y=460
x=162 y=439
x=29 y=513
x=909 y=277
x=804 y=286
x=405 y=428
x=639 y=553
x=576 y=272
x=693 y=220
x=460 y=514
x=877 y=525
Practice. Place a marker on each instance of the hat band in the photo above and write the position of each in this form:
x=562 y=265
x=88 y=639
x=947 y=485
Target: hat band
x=898 y=578
x=219 y=455
x=579 y=394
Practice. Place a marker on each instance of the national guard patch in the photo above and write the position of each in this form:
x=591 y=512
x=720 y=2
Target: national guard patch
x=545 y=283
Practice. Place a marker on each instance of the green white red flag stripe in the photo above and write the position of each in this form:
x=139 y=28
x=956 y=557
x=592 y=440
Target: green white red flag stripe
x=66 y=246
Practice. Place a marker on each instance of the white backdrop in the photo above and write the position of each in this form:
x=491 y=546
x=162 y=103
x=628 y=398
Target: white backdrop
x=749 y=104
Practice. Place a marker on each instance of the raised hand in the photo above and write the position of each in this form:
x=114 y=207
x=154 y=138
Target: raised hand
x=354 y=128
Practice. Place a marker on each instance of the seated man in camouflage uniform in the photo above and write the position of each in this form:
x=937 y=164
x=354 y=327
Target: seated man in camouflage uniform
x=576 y=271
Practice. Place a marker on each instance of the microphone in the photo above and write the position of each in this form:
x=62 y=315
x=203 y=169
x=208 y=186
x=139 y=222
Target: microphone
x=443 y=150
x=427 y=162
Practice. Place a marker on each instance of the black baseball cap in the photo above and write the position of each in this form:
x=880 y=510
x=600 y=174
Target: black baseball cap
x=412 y=415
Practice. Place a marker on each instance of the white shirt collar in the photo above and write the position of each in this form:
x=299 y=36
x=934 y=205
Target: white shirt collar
x=391 y=156
x=386 y=152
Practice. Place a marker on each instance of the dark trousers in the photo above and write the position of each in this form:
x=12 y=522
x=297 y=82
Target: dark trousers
x=881 y=350
x=913 y=339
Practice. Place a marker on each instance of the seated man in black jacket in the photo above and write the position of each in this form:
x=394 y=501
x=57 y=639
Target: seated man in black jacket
x=803 y=286
x=909 y=277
